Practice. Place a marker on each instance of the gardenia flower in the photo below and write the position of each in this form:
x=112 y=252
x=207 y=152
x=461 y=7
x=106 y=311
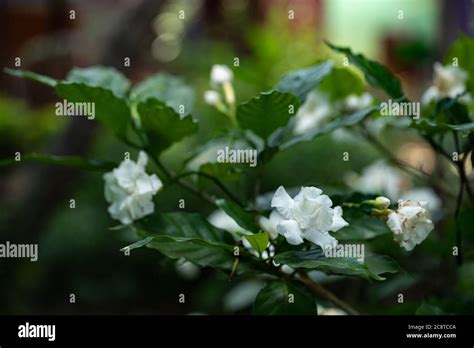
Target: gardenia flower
x=308 y=216
x=129 y=190
x=221 y=74
x=410 y=224
x=449 y=81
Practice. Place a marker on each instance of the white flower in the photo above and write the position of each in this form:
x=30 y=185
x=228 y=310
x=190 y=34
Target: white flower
x=448 y=81
x=221 y=74
x=129 y=190
x=354 y=102
x=410 y=224
x=313 y=112
x=211 y=97
x=308 y=216
x=379 y=178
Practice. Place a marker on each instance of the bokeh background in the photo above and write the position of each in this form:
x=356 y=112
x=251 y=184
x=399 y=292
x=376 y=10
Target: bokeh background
x=78 y=252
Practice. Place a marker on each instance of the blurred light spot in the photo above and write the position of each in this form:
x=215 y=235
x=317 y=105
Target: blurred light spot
x=418 y=155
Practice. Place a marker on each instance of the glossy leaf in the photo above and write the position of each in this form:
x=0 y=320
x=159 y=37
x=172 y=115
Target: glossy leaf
x=370 y=268
x=375 y=73
x=303 y=81
x=264 y=114
x=284 y=298
x=163 y=125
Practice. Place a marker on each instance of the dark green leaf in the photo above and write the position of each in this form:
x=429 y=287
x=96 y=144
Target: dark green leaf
x=264 y=114
x=342 y=82
x=99 y=76
x=243 y=219
x=111 y=110
x=163 y=126
x=341 y=121
x=166 y=88
x=376 y=74
x=371 y=267
x=301 y=82
x=190 y=236
x=284 y=298
x=46 y=80
x=258 y=241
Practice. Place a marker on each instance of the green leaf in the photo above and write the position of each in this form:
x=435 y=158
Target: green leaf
x=258 y=241
x=163 y=126
x=167 y=88
x=99 y=76
x=342 y=82
x=431 y=128
x=463 y=50
x=341 y=121
x=65 y=161
x=264 y=114
x=301 y=82
x=110 y=110
x=243 y=219
x=46 y=80
x=187 y=235
x=370 y=268
x=376 y=74
x=284 y=298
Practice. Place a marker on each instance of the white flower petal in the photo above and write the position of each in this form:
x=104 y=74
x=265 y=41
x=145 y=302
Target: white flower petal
x=291 y=231
x=282 y=202
x=323 y=239
x=338 y=222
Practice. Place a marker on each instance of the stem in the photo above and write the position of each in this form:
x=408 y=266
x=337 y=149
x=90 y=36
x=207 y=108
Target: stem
x=215 y=180
x=321 y=291
x=406 y=167
x=457 y=224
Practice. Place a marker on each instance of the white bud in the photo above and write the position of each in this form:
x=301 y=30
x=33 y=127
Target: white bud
x=211 y=97
x=221 y=74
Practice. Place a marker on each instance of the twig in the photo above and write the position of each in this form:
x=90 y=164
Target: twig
x=215 y=180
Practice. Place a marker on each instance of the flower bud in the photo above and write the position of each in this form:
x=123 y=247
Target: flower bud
x=382 y=202
x=211 y=97
x=221 y=74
